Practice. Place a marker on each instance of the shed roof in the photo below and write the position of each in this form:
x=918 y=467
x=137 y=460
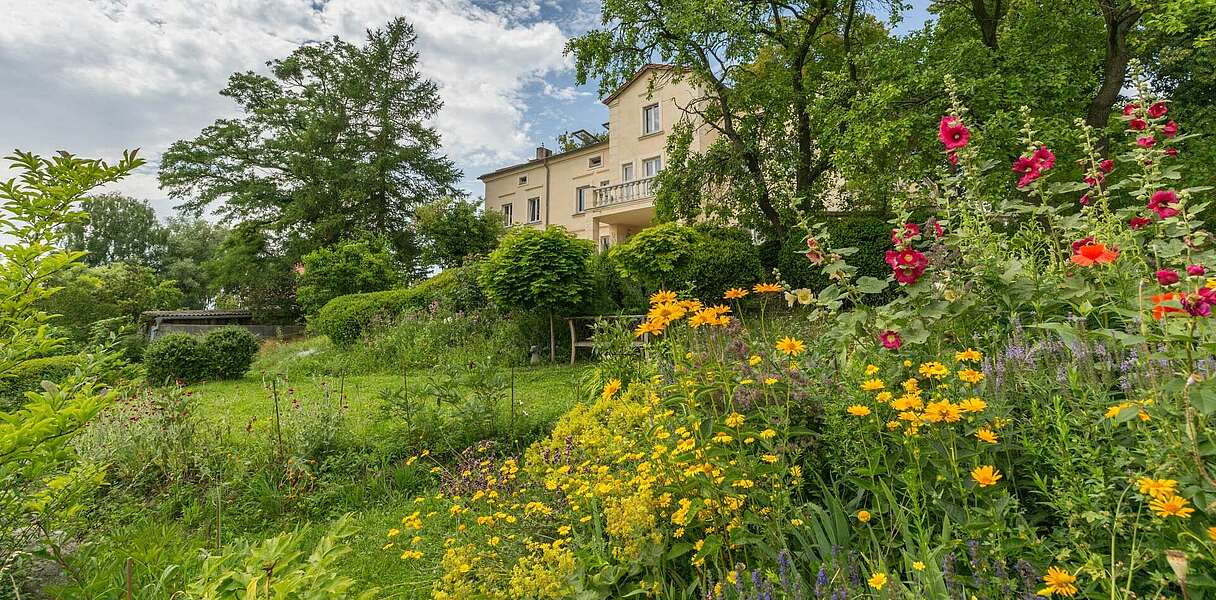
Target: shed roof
x=194 y=314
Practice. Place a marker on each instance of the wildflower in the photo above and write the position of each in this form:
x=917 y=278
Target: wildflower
x=796 y=522
x=766 y=288
x=1160 y=306
x=986 y=475
x=666 y=313
x=1090 y=254
x=1167 y=276
x=1059 y=581
x=918 y=565
x=662 y=297
x=905 y=235
x=859 y=410
x=770 y=381
x=1171 y=506
x=986 y=435
x=1147 y=141
x=754 y=360
x=1170 y=129
x=872 y=385
x=1160 y=203
x=735 y=293
x=890 y=340
x=952 y=133
x=769 y=458
x=1157 y=488
x=804 y=296
x=768 y=434
x=734 y=420
x=1212 y=533
x=968 y=355
x=648 y=327
x=1130 y=108
x=871 y=369
x=1171 y=151
x=973 y=405
x=878 y=581
x=790 y=346
x=883 y=397
x=1157 y=110
x=1032 y=166
x=1195 y=270
x=970 y=376
x=611 y=388
x=863 y=516
x=411 y=555
x=933 y=369
x=1137 y=124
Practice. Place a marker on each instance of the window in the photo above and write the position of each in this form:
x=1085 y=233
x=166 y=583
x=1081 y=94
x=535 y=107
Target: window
x=627 y=172
x=507 y=209
x=523 y=180
x=651 y=123
x=652 y=166
x=595 y=161
x=533 y=210
x=581 y=196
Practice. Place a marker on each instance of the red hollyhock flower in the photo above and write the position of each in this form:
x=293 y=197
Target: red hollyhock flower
x=1107 y=166
x=1084 y=200
x=1170 y=129
x=1171 y=151
x=890 y=340
x=907 y=265
x=1160 y=203
x=938 y=232
x=953 y=158
x=1091 y=254
x=1157 y=110
x=1195 y=270
x=1137 y=222
x=953 y=133
x=1130 y=108
x=1046 y=158
x=1147 y=141
x=1167 y=276
x=1137 y=124
x=1200 y=303
x=909 y=231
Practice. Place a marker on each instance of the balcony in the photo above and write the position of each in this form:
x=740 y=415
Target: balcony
x=622 y=193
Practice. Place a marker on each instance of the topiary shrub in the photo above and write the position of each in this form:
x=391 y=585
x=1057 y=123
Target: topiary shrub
x=722 y=258
x=177 y=356
x=870 y=234
x=29 y=375
x=345 y=318
x=231 y=350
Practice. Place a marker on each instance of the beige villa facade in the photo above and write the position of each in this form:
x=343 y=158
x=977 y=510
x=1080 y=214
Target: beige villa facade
x=602 y=191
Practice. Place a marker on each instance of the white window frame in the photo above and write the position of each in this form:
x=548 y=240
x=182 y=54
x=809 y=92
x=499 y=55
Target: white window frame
x=627 y=172
x=534 y=203
x=582 y=195
x=595 y=162
x=647 y=126
x=654 y=160
x=523 y=180
x=508 y=214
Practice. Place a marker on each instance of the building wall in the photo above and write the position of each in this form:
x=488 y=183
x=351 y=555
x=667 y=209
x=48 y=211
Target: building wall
x=555 y=180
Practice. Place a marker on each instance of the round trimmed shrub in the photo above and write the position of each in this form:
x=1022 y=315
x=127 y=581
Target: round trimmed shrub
x=177 y=356
x=231 y=350
x=29 y=375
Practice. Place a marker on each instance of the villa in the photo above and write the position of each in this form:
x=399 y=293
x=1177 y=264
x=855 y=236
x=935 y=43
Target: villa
x=603 y=190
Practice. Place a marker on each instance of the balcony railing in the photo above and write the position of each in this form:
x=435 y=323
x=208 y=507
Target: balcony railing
x=630 y=191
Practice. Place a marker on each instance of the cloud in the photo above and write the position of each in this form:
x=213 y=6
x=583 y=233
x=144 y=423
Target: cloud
x=97 y=77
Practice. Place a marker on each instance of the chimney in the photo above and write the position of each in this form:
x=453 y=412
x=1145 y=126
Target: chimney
x=543 y=152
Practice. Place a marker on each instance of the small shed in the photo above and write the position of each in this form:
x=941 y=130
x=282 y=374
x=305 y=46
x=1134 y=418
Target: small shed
x=156 y=323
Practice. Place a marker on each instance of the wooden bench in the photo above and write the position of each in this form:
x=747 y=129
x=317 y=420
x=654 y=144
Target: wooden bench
x=582 y=325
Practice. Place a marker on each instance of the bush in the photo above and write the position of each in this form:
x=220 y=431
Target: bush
x=347 y=268
x=704 y=260
x=231 y=350
x=345 y=318
x=722 y=258
x=177 y=356
x=870 y=234
x=29 y=375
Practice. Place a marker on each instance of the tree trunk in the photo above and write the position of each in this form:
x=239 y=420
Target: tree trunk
x=987 y=21
x=1114 y=65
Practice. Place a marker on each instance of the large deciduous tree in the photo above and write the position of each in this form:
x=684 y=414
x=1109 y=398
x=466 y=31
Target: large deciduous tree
x=118 y=229
x=333 y=143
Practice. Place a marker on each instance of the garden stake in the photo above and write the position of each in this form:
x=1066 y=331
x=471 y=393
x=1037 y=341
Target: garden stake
x=127 y=576
x=278 y=429
x=512 y=405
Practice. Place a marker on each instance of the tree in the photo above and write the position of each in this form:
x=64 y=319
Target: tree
x=332 y=143
x=190 y=247
x=452 y=230
x=115 y=290
x=568 y=141
x=249 y=272
x=543 y=270
x=118 y=229
x=346 y=268
x=44 y=483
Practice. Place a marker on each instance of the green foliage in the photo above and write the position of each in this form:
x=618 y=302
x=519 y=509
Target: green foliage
x=249 y=273
x=111 y=291
x=454 y=231
x=538 y=270
x=346 y=318
x=343 y=269
x=657 y=257
x=177 y=357
x=28 y=376
x=705 y=260
x=722 y=258
x=869 y=234
x=333 y=141
x=45 y=487
x=119 y=229
x=232 y=350
x=190 y=247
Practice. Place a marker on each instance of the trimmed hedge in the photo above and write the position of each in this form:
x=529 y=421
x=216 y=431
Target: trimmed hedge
x=231 y=350
x=345 y=318
x=177 y=356
x=703 y=259
x=870 y=234
x=29 y=375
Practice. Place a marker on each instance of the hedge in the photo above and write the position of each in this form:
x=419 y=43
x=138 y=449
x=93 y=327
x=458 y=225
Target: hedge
x=345 y=318
x=29 y=375
x=178 y=356
x=870 y=234
x=231 y=349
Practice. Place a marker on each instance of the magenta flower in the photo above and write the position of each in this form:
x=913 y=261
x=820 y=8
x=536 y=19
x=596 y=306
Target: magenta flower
x=907 y=265
x=1160 y=203
x=1157 y=110
x=1106 y=166
x=1137 y=124
x=1138 y=222
x=953 y=133
x=899 y=237
x=1171 y=151
x=1147 y=141
x=1084 y=200
x=1167 y=276
x=890 y=340
x=1195 y=270
x=1170 y=129
x=1130 y=108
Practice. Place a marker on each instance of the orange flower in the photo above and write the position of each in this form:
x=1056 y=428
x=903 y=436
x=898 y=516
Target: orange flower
x=761 y=288
x=1089 y=254
x=735 y=293
x=1160 y=308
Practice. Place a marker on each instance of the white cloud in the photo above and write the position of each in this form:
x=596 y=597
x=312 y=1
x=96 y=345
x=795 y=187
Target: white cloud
x=97 y=77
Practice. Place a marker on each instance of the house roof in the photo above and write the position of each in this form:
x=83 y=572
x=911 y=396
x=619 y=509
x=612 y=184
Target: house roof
x=636 y=76
x=537 y=161
x=194 y=314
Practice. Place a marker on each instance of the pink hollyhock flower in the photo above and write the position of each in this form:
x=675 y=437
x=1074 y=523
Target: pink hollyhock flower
x=1046 y=158
x=1137 y=124
x=1200 y=303
x=909 y=231
x=1094 y=180
x=1157 y=110
x=1085 y=241
x=1170 y=129
x=1137 y=222
x=1084 y=200
x=938 y=232
x=813 y=252
x=1130 y=108
x=1107 y=166
x=953 y=158
x=953 y=133
x=1195 y=270
x=1160 y=203
x=907 y=265
x=1147 y=141
x=890 y=340
x=1167 y=276
x=1171 y=151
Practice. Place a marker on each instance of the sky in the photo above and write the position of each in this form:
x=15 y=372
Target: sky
x=95 y=77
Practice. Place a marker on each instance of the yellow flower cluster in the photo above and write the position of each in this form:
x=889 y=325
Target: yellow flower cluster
x=1164 y=498
x=666 y=308
x=917 y=407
